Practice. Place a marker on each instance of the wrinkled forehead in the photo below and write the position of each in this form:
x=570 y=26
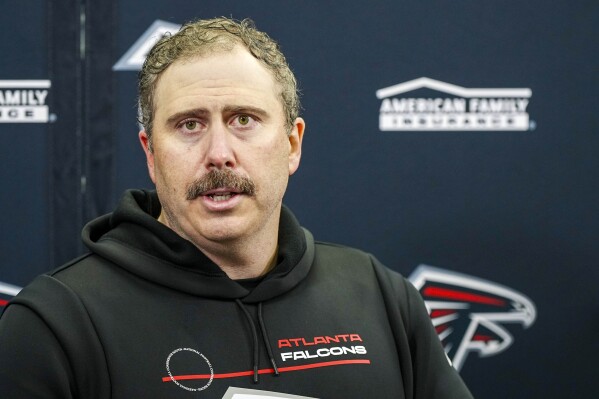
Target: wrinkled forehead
x=233 y=76
x=230 y=63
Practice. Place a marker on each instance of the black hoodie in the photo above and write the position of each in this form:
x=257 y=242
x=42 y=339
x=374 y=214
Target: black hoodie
x=146 y=315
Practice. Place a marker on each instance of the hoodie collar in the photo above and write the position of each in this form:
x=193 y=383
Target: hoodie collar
x=132 y=238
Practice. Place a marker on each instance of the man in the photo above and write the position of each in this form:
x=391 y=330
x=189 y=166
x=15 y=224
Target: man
x=209 y=287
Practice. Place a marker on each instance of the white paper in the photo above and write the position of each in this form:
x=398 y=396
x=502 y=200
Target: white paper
x=242 y=393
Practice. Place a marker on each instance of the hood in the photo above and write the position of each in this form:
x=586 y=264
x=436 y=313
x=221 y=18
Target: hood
x=135 y=240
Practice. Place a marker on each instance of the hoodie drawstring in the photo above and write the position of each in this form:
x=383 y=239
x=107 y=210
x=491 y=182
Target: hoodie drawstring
x=254 y=336
x=266 y=340
x=255 y=339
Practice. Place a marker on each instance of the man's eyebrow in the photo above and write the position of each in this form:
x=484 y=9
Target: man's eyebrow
x=190 y=113
x=249 y=109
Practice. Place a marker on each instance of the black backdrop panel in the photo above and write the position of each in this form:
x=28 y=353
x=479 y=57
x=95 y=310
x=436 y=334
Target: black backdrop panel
x=516 y=208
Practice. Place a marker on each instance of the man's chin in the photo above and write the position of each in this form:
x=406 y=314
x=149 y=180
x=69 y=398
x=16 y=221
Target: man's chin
x=223 y=225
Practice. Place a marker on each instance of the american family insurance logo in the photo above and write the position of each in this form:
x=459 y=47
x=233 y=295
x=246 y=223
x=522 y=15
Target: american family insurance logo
x=430 y=105
x=24 y=101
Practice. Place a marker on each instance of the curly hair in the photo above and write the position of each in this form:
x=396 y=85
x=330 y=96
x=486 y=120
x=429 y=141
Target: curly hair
x=202 y=37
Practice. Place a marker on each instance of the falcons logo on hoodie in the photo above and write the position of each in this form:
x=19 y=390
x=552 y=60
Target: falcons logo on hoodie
x=469 y=313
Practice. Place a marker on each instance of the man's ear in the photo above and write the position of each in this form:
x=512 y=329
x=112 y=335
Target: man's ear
x=145 y=144
x=295 y=144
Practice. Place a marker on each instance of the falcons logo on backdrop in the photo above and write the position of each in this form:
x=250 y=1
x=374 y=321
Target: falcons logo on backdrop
x=469 y=313
x=7 y=291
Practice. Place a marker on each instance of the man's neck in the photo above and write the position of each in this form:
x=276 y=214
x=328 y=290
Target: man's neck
x=248 y=265
x=240 y=258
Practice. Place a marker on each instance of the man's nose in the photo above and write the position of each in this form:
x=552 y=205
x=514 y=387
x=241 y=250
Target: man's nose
x=219 y=153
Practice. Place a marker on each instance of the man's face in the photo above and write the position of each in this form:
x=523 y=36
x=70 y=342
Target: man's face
x=215 y=114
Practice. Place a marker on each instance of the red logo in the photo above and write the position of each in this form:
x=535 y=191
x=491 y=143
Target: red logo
x=7 y=291
x=470 y=313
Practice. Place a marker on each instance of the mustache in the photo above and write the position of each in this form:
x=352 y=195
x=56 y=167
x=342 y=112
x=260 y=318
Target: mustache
x=217 y=178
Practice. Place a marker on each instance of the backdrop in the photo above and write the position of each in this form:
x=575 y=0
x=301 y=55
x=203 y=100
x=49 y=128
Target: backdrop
x=455 y=140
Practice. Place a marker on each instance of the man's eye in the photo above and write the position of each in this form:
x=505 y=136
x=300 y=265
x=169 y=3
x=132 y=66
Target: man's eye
x=243 y=119
x=191 y=125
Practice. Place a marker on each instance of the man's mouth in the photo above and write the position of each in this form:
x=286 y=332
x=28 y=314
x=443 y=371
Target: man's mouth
x=221 y=196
